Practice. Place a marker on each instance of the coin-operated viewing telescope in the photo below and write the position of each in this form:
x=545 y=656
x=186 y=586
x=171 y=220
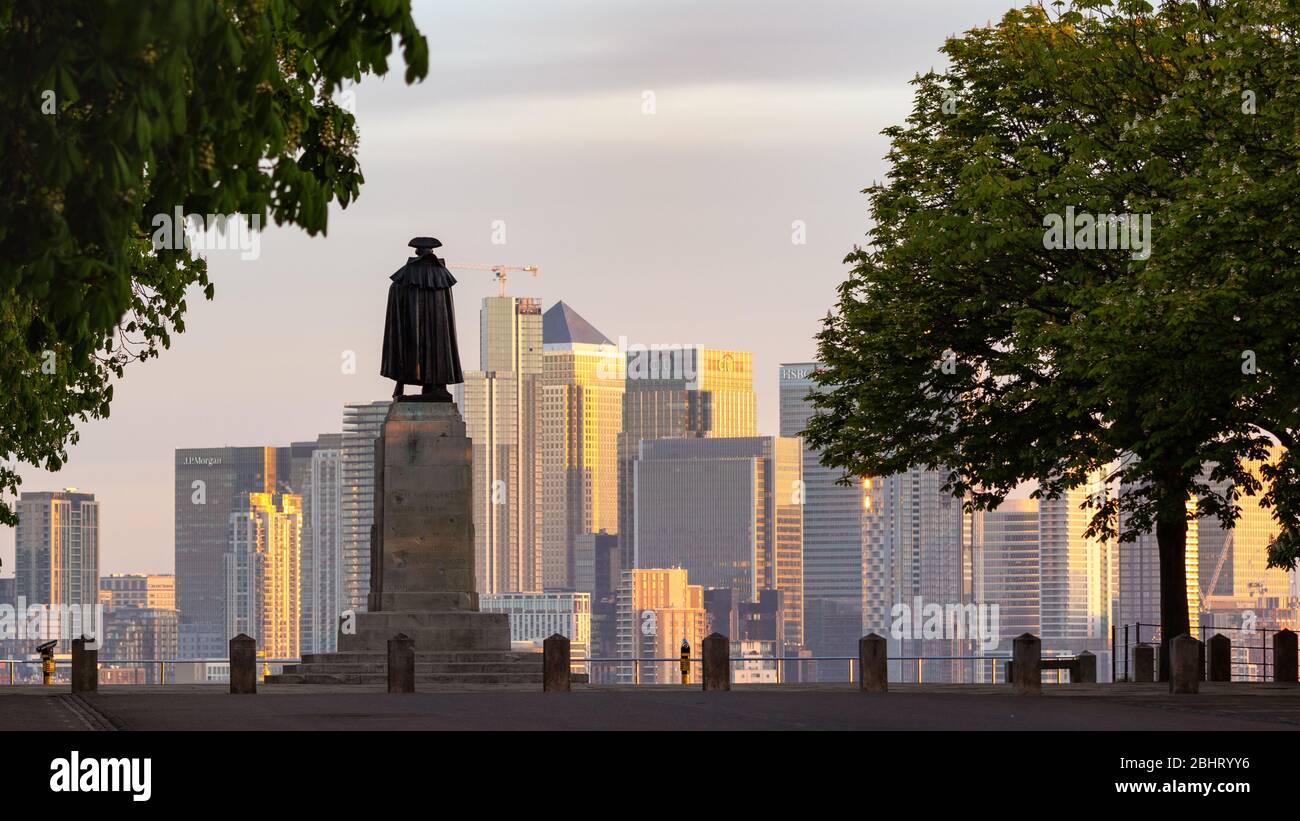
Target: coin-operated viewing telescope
x=47 y=661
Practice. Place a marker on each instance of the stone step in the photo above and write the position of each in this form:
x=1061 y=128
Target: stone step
x=382 y=678
x=433 y=618
x=444 y=667
x=479 y=638
x=450 y=657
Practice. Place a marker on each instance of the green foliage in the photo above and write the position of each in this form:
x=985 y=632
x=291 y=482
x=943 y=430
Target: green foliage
x=1073 y=361
x=114 y=111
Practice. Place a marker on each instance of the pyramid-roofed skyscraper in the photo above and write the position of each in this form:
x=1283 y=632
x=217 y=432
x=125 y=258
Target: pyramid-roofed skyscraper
x=582 y=415
x=561 y=325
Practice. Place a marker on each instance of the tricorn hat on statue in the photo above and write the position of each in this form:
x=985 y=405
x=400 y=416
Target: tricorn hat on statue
x=424 y=244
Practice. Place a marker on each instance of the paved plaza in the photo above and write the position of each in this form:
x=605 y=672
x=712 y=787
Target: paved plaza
x=1132 y=707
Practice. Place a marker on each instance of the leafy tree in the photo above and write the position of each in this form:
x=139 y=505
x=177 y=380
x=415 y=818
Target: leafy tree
x=961 y=342
x=115 y=111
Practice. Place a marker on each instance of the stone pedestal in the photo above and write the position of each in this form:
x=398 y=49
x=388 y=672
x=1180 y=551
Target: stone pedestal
x=422 y=543
x=422 y=581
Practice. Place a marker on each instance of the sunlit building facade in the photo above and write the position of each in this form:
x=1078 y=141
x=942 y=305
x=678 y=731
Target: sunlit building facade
x=262 y=573
x=1234 y=571
x=1007 y=566
x=56 y=552
x=1076 y=573
x=582 y=415
x=138 y=590
x=680 y=391
x=658 y=608
x=211 y=484
x=502 y=406
x=321 y=489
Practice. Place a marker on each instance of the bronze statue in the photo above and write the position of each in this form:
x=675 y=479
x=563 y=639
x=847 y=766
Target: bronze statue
x=420 y=328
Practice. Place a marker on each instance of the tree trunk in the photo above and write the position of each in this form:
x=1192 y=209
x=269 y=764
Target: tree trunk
x=1171 y=536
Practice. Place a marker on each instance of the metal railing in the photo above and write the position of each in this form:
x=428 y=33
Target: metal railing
x=761 y=669
x=899 y=668
x=162 y=666
x=1247 y=669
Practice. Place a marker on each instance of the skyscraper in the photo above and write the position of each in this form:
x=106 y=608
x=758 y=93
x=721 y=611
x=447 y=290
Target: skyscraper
x=1234 y=572
x=211 y=484
x=56 y=551
x=728 y=511
x=832 y=531
x=1007 y=568
x=582 y=415
x=141 y=623
x=679 y=392
x=1076 y=574
x=1030 y=557
x=657 y=609
x=361 y=425
x=1138 y=597
x=262 y=572
x=916 y=540
x=502 y=406
x=138 y=590
x=535 y=617
x=317 y=478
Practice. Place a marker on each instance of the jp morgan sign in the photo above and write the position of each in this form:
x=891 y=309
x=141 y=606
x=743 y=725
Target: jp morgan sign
x=207 y=461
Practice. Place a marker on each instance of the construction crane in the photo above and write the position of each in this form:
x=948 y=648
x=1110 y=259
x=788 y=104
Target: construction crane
x=498 y=271
x=1218 y=568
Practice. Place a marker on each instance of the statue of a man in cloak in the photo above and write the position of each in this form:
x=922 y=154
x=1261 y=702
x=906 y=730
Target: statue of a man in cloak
x=420 y=328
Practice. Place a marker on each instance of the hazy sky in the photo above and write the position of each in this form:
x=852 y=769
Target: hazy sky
x=672 y=227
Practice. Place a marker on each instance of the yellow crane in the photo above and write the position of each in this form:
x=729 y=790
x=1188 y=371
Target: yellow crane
x=1208 y=591
x=498 y=271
